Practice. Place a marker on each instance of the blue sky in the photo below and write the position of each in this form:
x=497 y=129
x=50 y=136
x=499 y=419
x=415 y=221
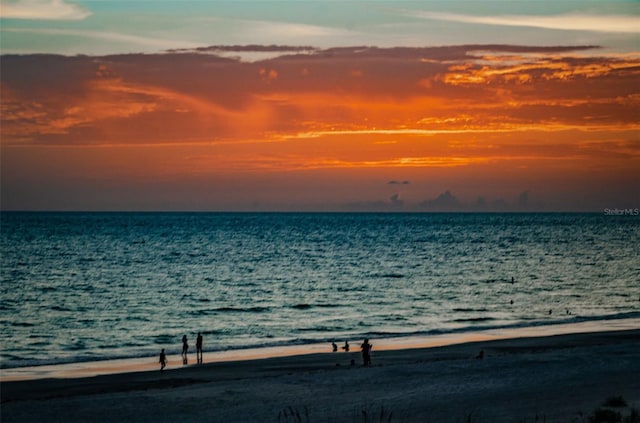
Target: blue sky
x=113 y=27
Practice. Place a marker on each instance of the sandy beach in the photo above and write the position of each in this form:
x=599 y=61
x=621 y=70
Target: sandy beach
x=561 y=378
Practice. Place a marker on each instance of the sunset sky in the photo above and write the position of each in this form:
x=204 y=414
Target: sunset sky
x=320 y=105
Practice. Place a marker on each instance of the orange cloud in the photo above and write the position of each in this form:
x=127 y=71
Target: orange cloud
x=382 y=112
x=526 y=73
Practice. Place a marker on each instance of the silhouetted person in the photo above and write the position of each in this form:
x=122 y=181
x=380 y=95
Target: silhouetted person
x=346 y=346
x=334 y=347
x=512 y=280
x=185 y=349
x=163 y=360
x=366 y=352
x=480 y=355
x=199 y=348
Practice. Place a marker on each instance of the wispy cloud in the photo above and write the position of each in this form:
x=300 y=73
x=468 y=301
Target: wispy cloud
x=567 y=22
x=158 y=43
x=244 y=31
x=43 y=10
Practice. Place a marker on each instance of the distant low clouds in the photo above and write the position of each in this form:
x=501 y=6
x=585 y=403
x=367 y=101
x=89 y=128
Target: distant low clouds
x=396 y=201
x=449 y=202
x=399 y=182
x=443 y=202
x=523 y=199
x=52 y=10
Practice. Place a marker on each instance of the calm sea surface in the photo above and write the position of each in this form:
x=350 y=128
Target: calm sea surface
x=88 y=286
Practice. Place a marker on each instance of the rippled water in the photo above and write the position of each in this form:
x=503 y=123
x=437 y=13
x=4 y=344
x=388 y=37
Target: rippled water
x=83 y=286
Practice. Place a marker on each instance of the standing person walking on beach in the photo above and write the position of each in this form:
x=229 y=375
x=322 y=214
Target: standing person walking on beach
x=199 y=348
x=163 y=360
x=185 y=349
x=366 y=352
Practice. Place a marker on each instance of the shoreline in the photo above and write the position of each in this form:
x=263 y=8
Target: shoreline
x=150 y=363
x=561 y=377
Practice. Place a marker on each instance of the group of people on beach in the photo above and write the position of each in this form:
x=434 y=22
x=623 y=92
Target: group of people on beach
x=365 y=347
x=185 y=351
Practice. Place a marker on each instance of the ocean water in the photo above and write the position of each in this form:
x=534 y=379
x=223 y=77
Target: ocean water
x=91 y=286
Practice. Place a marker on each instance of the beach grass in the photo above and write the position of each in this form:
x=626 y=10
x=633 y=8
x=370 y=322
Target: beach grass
x=615 y=409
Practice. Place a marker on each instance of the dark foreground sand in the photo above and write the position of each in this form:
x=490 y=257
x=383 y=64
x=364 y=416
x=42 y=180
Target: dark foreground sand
x=553 y=379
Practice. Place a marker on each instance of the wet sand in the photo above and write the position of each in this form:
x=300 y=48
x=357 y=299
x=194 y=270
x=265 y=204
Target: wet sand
x=560 y=378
